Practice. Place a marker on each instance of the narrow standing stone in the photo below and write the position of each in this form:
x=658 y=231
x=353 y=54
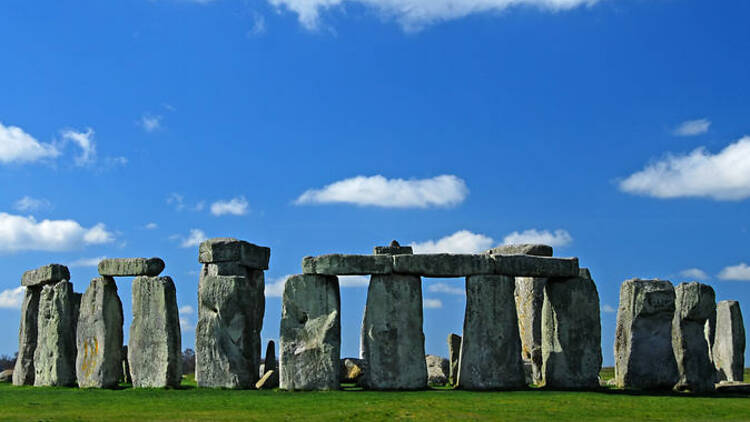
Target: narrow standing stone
x=694 y=303
x=55 y=355
x=23 y=373
x=454 y=351
x=271 y=365
x=729 y=345
x=529 y=298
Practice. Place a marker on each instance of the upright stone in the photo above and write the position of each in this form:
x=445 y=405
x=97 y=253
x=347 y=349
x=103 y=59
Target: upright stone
x=99 y=335
x=454 y=351
x=644 y=357
x=270 y=359
x=154 y=346
x=571 y=334
x=55 y=355
x=491 y=347
x=694 y=303
x=125 y=368
x=23 y=373
x=310 y=343
x=729 y=345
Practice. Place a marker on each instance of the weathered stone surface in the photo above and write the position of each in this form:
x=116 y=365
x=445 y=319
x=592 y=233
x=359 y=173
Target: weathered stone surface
x=48 y=274
x=310 y=343
x=529 y=298
x=223 y=249
x=729 y=343
x=535 y=266
x=643 y=347
x=227 y=337
x=522 y=248
x=126 y=267
x=125 y=368
x=444 y=264
x=694 y=303
x=584 y=273
x=392 y=336
x=154 y=348
x=99 y=336
x=393 y=249
x=338 y=264
x=23 y=373
x=454 y=351
x=571 y=334
x=437 y=370
x=225 y=268
x=491 y=347
x=6 y=375
x=55 y=354
x=352 y=370
x=266 y=381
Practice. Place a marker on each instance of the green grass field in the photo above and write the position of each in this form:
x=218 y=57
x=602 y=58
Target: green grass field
x=192 y=404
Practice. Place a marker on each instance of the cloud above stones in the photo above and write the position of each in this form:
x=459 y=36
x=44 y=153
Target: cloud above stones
x=692 y=127
x=430 y=303
x=12 y=298
x=17 y=146
x=19 y=233
x=378 y=191
x=87 y=262
x=694 y=274
x=194 y=238
x=557 y=239
x=234 y=206
x=739 y=272
x=608 y=309
x=462 y=241
x=442 y=287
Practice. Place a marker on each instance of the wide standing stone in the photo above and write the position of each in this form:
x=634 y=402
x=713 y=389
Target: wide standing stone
x=23 y=373
x=729 y=344
x=694 y=303
x=339 y=264
x=154 y=349
x=491 y=348
x=454 y=351
x=99 y=335
x=55 y=355
x=571 y=334
x=643 y=347
x=392 y=336
x=224 y=249
x=126 y=267
x=310 y=343
x=48 y=274
x=529 y=298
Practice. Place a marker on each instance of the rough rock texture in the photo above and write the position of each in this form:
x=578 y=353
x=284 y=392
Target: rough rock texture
x=23 y=373
x=55 y=355
x=125 y=368
x=535 y=266
x=6 y=375
x=227 y=337
x=99 y=336
x=729 y=344
x=224 y=249
x=126 y=267
x=522 y=248
x=529 y=298
x=491 y=347
x=571 y=334
x=352 y=369
x=584 y=273
x=48 y=274
x=310 y=342
x=154 y=349
x=338 y=264
x=644 y=357
x=454 y=351
x=393 y=249
x=392 y=336
x=444 y=264
x=437 y=370
x=694 y=303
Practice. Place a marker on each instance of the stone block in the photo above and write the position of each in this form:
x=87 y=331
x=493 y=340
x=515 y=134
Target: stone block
x=694 y=303
x=55 y=354
x=444 y=265
x=224 y=249
x=131 y=267
x=535 y=266
x=48 y=274
x=339 y=264
x=729 y=343
x=23 y=373
x=522 y=248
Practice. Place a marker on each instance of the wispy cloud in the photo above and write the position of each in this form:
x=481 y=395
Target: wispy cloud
x=186 y=310
x=150 y=122
x=234 y=206
x=195 y=238
x=692 y=127
x=462 y=241
x=176 y=200
x=695 y=274
x=29 y=204
x=19 y=233
x=259 y=25
x=12 y=298
x=151 y=226
x=85 y=141
x=429 y=303
x=354 y=281
x=557 y=238
x=275 y=288
x=739 y=272
x=17 y=146
x=87 y=262
x=446 y=288
x=607 y=309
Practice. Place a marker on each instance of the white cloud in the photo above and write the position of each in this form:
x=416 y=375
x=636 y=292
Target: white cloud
x=29 y=204
x=18 y=233
x=187 y=310
x=87 y=262
x=440 y=191
x=724 y=176
x=234 y=206
x=176 y=200
x=186 y=325
x=354 y=281
x=259 y=25
x=195 y=238
x=692 y=127
x=12 y=298
x=85 y=141
x=694 y=273
x=151 y=226
x=20 y=147
x=607 y=309
x=462 y=241
x=432 y=303
x=199 y=206
x=446 y=288
x=739 y=272
x=276 y=287
x=150 y=123
x=556 y=239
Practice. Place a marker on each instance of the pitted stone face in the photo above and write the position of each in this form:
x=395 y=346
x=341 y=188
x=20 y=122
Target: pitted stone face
x=224 y=249
x=697 y=301
x=524 y=248
x=694 y=303
x=131 y=267
x=48 y=274
x=339 y=264
x=654 y=297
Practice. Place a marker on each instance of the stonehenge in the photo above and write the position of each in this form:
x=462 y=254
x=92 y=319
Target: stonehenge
x=55 y=354
x=23 y=372
x=728 y=349
x=694 y=303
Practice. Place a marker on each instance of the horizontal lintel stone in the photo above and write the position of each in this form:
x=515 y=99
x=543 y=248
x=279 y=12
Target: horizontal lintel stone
x=48 y=274
x=339 y=264
x=224 y=249
x=535 y=266
x=444 y=264
x=522 y=248
x=131 y=267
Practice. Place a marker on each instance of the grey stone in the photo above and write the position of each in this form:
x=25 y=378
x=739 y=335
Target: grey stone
x=125 y=368
x=223 y=249
x=55 y=354
x=535 y=266
x=99 y=336
x=23 y=373
x=694 y=303
x=225 y=268
x=491 y=347
x=529 y=298
x=393 y=249
x=522 y=248
x=392 y=336
x=310 y=342
x=48 y=274
x=352 y=370
x=571 y=334
x=644 y=357
x=454 y=351
x=6 y=376
x=227 y=337
x=270 y=359
x=154 y=349
x=584 y=273
x=443 y=264
x=729 y=344
x=338 y=264
x=126 y=267
x=437 y=370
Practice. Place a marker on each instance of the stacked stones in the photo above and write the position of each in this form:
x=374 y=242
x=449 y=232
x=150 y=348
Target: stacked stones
x=231 y=304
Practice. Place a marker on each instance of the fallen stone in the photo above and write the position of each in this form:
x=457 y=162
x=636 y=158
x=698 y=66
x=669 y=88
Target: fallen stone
x=55 y=354
x=535 y=266
x=266 y=381
x=729 y=343
x=223 y=249
x=393 y=249
x=6 y=376
x=694 y=303
x=491 y=347
x=726 y=387
x=128 y=267
x=437 y=370
x=338 y=264
x=154 y=349
x=522 y=248
x=454 y=351
x=352 y=370
x=99 y=336
x=644 y=358
x=48 y=274
x=443 y=264
x=310 y=341
x=529 y=298
x=571 y=334
x=23 y=373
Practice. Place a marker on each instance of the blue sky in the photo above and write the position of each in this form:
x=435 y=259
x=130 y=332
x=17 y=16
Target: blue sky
x=613 y=129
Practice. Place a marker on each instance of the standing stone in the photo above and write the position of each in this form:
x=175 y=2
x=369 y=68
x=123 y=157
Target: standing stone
x=23 y=373
x=437 y=370
x=99 y=336
x=55 y=355
x=125 y=377
x=643 y=348
x=310 y=343
x=529 y=298
x=571 y=334
x=694 y=303
x=491 y=347
x=154 y=350
x=729 y=345
x=270 y=359
x=454 y=351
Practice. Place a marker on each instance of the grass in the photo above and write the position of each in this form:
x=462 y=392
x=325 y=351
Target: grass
x=192 y=404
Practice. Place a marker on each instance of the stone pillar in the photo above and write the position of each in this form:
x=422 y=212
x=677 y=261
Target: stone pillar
x=694 y=303
x=571 y=334
x=154 y=349
x=729 y=344
x=23 y=373
x=454 y=351
x=644 y=357
x=99 y=337
x=55 y=355
x=491 y=347
x=310 y=343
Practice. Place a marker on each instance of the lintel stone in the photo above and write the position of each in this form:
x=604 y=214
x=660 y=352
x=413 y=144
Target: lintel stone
x=339 y=264
x=535 y=266
x=522 y=248
x=444 y=264
x=131 y=267
x=48 y=274
x=224 y=249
